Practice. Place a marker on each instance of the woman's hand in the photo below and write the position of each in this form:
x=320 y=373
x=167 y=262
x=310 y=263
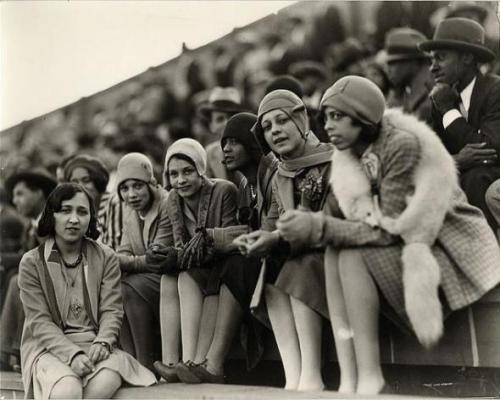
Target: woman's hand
x=98 y=352
x=156 y=253
x=257 y=243
x=295 y=225
x=82 y=365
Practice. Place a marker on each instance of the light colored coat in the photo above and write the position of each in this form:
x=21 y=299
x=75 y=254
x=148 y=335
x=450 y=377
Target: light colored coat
x=135 y=240
x=41 y=333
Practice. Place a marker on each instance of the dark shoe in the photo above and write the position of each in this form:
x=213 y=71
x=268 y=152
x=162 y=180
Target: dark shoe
x=185 y=372
x=200 y=370
x=167 y=372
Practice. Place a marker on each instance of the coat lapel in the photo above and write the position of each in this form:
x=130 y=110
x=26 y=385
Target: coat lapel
x=91 y=278
x=151 y=217
x=285 y=187
x=53 y=264
x=204 y=205
x=477 y=98
x=132 y=223
x=176 y=218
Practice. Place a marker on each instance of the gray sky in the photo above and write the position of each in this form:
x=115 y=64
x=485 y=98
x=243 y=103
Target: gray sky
x=54 y=52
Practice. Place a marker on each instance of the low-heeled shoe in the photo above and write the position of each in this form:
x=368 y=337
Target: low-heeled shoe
x=167 y=372
x=205 y=376
x=185 y=372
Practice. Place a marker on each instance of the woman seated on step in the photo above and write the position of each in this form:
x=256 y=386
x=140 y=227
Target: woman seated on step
x=243 y=155
x=294 y=279
x=146 y=224
x=407 y=233
x=70 y=289
x=194 y=267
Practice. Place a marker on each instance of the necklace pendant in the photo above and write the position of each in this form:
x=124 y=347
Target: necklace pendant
x=76 y=307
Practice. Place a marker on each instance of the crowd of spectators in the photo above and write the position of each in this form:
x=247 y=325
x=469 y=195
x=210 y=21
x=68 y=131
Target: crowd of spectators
x=201 y=111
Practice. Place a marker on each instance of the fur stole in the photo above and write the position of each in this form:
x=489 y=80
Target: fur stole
x=354 y=182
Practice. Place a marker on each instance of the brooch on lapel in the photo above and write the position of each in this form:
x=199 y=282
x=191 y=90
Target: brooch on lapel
x=371 y=166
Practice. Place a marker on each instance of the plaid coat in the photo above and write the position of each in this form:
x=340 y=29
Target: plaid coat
x=465 y=247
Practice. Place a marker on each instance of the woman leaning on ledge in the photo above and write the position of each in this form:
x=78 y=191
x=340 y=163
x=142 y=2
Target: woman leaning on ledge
x=70 y=289
x=407 y=234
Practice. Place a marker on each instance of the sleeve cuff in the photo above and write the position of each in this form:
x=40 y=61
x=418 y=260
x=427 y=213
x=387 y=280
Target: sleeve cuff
x=450 y=116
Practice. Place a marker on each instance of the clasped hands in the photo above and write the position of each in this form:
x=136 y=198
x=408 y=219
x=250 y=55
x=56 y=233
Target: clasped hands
x=161 y=259
x=293 y=225
x=83 y=364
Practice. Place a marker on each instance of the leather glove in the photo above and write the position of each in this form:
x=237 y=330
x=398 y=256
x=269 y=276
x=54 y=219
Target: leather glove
x=197 y=251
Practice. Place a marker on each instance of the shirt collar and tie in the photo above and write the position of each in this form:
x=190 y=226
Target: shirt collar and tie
x=463 y=106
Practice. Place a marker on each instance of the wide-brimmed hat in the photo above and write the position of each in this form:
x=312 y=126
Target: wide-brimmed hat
x=460 y=34
x=36 y=177
x=223 y=99
x=402 y=44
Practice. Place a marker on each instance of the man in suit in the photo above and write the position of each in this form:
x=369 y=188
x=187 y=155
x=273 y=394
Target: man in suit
x=466 y=105
x=408 y=71
x=28 y=190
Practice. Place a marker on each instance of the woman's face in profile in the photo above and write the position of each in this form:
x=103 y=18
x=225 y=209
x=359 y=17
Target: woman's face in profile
x=340 y=129
x=184 y=178
x=281 y=134
x=71 y=222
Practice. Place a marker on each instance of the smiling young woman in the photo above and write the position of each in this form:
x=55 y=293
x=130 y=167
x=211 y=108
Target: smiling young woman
x=70 y=289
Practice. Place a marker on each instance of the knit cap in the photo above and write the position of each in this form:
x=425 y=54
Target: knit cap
x=239 y=127
x=134 y=166
x=357 y=97
x=97 y=171
x=287 y=102
x=189 y=148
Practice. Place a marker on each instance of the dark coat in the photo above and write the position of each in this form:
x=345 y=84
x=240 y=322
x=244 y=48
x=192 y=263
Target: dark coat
x=483 y=123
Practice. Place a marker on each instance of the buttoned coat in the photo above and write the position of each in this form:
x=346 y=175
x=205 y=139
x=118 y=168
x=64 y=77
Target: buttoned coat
x=41 y=332
x=465 y=249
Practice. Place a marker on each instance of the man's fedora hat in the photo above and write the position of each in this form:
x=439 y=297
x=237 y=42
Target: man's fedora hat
x=460 y=34
x=402 y=44
x=36 y=177
x=223 y=99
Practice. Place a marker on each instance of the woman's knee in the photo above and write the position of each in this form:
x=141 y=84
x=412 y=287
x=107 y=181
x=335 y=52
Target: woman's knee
x=103 y=385
x=69 y=387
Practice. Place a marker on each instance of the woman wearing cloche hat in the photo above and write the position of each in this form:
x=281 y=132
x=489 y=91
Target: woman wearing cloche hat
x=294 y=276
x=146 y=224
x=387 y=169
x=189 y=300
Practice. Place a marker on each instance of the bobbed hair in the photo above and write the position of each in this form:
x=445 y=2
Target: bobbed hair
x=62 y=192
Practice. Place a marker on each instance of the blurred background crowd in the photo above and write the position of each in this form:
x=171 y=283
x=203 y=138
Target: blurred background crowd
x=316 y=42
